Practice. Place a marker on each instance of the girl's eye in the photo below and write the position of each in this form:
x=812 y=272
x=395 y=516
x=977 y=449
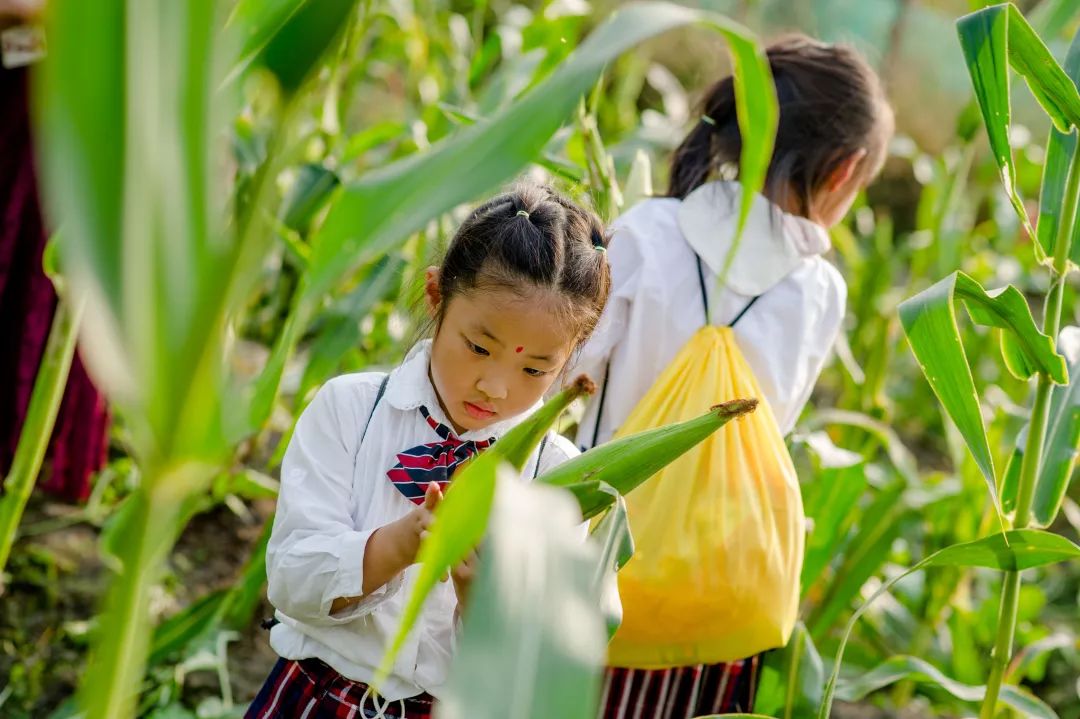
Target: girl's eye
x=534 y=372
x=477 y=349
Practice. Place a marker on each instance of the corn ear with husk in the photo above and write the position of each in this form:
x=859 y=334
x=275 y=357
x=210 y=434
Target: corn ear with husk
x=625 y=463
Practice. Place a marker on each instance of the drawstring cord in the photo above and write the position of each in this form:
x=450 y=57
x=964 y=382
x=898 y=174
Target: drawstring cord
x=381 y=710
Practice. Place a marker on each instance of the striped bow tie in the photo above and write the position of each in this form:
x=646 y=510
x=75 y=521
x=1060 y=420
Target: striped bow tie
x=433 y=462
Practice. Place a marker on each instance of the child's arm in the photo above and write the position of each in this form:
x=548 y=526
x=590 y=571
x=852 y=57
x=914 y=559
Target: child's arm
x=392 y=548
x=317 y=552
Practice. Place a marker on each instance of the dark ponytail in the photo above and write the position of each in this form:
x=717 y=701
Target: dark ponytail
x=831 y=105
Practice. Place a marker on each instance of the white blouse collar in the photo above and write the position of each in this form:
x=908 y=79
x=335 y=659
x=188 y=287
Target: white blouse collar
x=410 y=387
x=774 y=242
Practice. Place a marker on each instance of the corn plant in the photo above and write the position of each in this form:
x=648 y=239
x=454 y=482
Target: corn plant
x=994 y=39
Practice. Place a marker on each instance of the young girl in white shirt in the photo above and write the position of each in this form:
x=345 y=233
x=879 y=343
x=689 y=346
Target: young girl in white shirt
x=523 y=284
x=783 y=299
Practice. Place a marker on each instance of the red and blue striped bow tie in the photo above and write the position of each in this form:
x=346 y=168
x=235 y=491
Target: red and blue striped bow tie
x=433 y=462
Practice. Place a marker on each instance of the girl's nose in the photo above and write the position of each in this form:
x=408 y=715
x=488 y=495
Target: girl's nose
x=492 y=387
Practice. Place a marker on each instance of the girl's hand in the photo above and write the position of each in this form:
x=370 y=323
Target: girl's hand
x=413 y=527
x=392 y=548
x=463 y=575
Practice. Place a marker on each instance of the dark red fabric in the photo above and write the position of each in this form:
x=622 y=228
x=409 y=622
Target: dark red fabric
x=679 y=692
x=311 y=689
x=27 y=302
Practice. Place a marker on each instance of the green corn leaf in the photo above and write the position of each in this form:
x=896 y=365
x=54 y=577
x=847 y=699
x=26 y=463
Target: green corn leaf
x=533 y=639
x=253 y=22
x=462 y=517
x=370 y=215
x=340 y=334
x=831 y=503
x=294 y=51
x=865 y=554
x=313 y=186
x=929 y=320
x=904 y=668
x=181 y=629
x=993 y=39
x=791 y=678
x=1010 y=551
x=613 y=535
x=1059 y=151
x=1061 y=445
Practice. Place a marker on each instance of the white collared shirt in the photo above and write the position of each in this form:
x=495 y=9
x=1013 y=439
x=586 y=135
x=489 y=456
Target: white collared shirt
x=656 y=305
x=334 y=494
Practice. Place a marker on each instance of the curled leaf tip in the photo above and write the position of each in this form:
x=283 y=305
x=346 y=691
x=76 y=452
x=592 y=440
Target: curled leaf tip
x=584 y=385
x=735 y=407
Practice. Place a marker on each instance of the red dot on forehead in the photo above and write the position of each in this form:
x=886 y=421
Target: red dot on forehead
x=519 y=349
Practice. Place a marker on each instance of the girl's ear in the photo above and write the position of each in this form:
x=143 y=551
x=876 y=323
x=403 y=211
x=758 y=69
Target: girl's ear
x=432 y=295
x=843 y=172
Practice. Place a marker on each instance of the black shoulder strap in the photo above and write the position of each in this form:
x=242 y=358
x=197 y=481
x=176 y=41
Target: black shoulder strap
x=744 y=310
x=540 y=454
x=378 y=398
x=600 y=407
x=272 y=622
x=705 y=296
x=704 y=291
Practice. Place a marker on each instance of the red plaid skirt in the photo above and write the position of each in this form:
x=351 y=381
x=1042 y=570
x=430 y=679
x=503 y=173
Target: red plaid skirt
x=679 y=692
x=309 y=689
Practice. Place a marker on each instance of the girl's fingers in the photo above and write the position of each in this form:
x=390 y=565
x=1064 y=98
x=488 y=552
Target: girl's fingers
x=432 y=496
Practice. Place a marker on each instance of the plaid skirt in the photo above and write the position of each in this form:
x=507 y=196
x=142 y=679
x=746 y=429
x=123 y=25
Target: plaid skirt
x=679 y=692
x=309 y=689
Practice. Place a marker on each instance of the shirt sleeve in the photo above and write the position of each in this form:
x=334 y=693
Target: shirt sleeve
x=788 y=349
x=315 y=553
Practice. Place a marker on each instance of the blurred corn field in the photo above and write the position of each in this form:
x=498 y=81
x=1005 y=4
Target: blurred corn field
x=246 y=195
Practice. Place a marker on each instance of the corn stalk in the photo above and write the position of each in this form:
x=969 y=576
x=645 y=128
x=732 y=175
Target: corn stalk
x=40 y=417
x=1033 y=451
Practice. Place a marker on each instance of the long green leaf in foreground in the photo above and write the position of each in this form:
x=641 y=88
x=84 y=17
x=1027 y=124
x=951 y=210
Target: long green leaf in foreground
x=929 y=321
x=533 y=640
x=1010 y=551
x=992 y=39
x=462 y=517
x=627 y=462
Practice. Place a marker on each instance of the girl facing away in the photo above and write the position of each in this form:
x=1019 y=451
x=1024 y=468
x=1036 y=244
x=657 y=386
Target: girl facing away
x=522 y=285
x=784 y=300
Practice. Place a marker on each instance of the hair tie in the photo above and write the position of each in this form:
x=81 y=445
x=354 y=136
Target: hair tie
x=600 y=248
x=523 y=213
x=708 y=120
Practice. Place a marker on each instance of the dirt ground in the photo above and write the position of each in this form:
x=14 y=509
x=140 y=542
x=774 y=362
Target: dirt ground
x=56 y=577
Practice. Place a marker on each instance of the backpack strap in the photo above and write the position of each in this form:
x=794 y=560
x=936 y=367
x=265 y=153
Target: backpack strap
x=705 y=296
x=272 y=622
x=600 y=407
x=704 y=292
x=378 y=398
x=540 y=454
x=744 y=310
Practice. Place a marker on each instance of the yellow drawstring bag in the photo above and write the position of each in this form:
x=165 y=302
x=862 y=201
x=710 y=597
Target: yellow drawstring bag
x=718 y=533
